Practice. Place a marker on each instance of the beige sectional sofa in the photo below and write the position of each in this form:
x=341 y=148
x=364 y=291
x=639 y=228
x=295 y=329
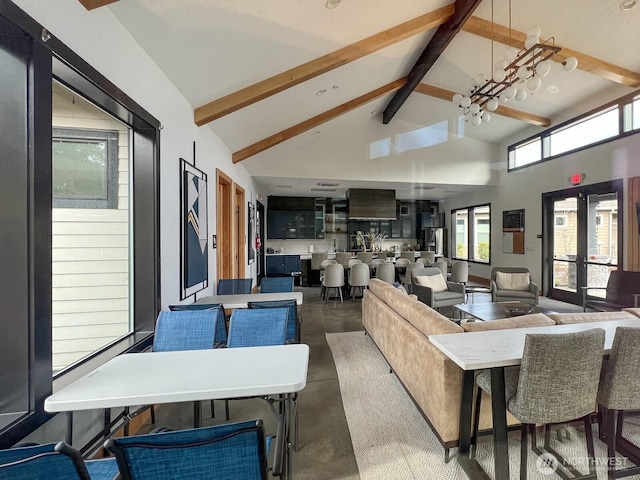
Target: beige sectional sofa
x=400 y=326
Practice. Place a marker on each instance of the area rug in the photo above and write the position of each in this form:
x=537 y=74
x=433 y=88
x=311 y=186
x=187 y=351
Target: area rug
x=391 y=439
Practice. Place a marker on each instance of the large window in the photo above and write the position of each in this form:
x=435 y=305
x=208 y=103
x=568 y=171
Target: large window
x=77 y=280
x=608 y=122
x=472 y=233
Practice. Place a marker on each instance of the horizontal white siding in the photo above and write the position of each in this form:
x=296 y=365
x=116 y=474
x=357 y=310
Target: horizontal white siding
x=90 y=255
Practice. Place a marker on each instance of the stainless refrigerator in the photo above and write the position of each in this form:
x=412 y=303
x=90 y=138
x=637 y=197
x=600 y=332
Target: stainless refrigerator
x=433 y=239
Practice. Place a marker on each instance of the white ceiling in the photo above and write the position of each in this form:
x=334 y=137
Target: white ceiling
x=211 y=48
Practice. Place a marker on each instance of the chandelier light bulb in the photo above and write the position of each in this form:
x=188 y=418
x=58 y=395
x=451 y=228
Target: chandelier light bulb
x=543 y=68
x=499 y=75
x=492 y=105
x=534 y=31
x=534 y=83
x=503 y=98
x=479 y=79
x=500 y=65
x=510 y=54
x=486 y=117
x=521 y=95
x=531 y=41
x=465 y=102
x=570 y=64
x=523 y=72
x=475 y=120
x=474 y=108
x=510 y=92
x=457 y=98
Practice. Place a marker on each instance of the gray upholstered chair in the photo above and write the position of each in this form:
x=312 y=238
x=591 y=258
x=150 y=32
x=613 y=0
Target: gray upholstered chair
x=405 y=278
x=510 y=284
x=323 y=265
x=435 y=292
x=620 y=391
x=443 y=266
x=359 y=278
x=353 y=261
x=557 y=382
x=409 y=255
x=429 y=255
x=343 y=258
x=365 y=257
x=386 y=272
x=316 y=260
x=333 y=278
x=460 y=272
x=424 y=261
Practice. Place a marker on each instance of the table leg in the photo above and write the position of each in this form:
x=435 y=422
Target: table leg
x=499 y=412
x=465 y=412
x=68 y=436
x=289 y=425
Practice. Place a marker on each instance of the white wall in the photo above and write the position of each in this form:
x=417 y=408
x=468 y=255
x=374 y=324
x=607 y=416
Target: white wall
x=619 y=159
x=102 y=41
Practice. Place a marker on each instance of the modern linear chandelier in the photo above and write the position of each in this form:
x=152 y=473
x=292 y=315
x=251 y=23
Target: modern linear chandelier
x=518 y=72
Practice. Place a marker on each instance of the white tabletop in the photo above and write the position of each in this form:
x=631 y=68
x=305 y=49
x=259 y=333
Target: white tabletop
x=167 y=377
x=502 y=348
x=241 y=300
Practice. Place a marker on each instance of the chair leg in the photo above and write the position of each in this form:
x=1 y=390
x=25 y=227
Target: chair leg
x=476 y=422
x=591 y=455
x=340 y=292
x=226 y=408
x=153 y=414
x=611 y=421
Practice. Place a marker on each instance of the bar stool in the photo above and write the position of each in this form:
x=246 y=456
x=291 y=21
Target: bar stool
x=557 y=382
x=359 y=278
x=620 y=391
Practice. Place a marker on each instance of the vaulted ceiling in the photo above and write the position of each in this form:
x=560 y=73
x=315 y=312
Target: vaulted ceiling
x=359 y=94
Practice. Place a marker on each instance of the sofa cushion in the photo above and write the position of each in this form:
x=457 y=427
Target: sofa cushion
x=533 y=320
x=512 y=281
x=436 y=283
x=584 y=317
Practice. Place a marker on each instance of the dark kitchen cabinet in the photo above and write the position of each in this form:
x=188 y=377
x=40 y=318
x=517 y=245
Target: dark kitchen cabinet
x=290 y=225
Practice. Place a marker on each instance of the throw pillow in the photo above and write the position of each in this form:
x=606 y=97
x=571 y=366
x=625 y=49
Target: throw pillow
x=512 y=281
x=400 y=287
x=434 y=282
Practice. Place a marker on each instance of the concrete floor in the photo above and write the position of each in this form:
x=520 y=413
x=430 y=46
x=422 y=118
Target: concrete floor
x=325 y=449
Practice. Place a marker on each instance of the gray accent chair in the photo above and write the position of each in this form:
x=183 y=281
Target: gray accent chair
x=453 y=295
x=429 y=255
x=529 y=296
x=620 y=391
x=557 y=382
x=622 y=291
x=409 y=255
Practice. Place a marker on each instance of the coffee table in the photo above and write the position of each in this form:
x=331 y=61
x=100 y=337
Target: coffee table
x=494 y=311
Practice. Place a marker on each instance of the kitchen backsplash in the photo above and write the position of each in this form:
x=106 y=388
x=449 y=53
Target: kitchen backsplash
x=327 y=244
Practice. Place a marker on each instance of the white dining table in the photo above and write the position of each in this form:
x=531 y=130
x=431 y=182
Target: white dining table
x=242 y=300
x=192 y=375
x=495 y=350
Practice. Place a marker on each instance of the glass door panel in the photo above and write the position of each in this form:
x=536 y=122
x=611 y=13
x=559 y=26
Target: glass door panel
x=565 y=243
x=602 y=240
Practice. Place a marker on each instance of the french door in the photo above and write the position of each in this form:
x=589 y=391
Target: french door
x=582 y=232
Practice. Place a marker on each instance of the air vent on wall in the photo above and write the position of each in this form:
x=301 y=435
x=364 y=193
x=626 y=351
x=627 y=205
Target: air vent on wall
x=315 y=189
x=328 y=184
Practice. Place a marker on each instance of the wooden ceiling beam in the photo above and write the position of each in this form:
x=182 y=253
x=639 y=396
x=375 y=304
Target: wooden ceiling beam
x=261 y=90
x=587 y=63
x=91 y=4
x=447 y=95
x=431 y=53
x=307 y=125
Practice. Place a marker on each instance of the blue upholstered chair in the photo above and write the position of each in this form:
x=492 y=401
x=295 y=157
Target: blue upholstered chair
x=258 y=327
x=229 y=451
x=276 y=284
x=190 y=330
x=221 y=324
x=294 y=320
x=234 y=286
x=53 y=461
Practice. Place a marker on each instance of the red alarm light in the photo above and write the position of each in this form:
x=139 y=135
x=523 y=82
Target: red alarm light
x=576 y=178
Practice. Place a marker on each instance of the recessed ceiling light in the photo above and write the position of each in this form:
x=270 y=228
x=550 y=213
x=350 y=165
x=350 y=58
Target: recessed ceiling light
x=336 y=86
x=627 y=5
x=321 y=92
x=373 y=112
x=552 y=89
x=332 y=3
x=317 y=132
x=328 y=184
x=423 y=187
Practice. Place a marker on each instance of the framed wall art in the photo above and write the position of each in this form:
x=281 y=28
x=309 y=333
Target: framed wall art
x=251 y=242
x=194 y=246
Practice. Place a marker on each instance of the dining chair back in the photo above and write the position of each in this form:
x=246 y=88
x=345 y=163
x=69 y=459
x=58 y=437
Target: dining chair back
x=409 y=255
x=276 y=284
x=405 y=278
x=365 y=257
x=359 y=278
x=386 y=272
x=316 y=260
x=619 y=391
x=402 y=262
x=221 y=324
x=429 y=255
x=343 y=258
x=353 y=261
x=442 y=265
x=53 y=461
x=228 y=451
x=186 y=330
x=234 y=286
x=333 y=279
x=294 y=320
x=258 y=327
x=460 y=272
x=424 y=261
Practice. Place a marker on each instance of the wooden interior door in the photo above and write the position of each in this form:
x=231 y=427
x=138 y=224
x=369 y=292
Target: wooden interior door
x=224 y=226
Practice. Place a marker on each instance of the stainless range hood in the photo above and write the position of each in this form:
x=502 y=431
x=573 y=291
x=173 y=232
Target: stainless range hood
x=371 y=204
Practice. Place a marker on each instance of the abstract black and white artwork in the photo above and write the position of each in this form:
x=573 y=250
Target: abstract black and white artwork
x=194 y=232
x=251 y=251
